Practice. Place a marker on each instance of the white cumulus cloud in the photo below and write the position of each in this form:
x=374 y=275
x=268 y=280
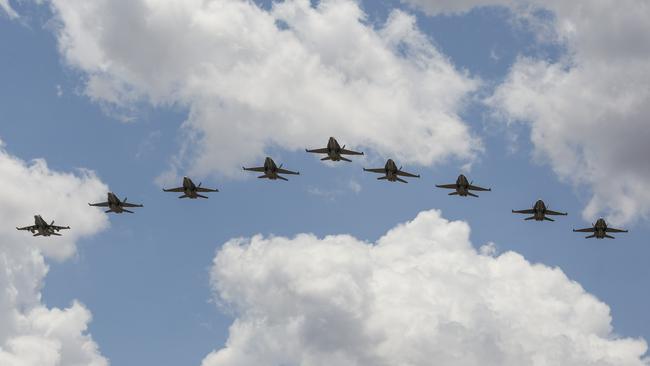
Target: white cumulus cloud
x=420 y=294
x=588 y=111
x=290 y=76
x=30 y=333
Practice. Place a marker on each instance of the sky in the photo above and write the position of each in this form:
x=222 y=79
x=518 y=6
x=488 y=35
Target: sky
x=535 y=99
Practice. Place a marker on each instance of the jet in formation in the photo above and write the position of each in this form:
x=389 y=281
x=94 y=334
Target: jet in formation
x=190 y=190
x=391 y=172
x=599 y=230
x=539 y=212
x=463 y=187
x=42 y=228
x=270 y=170
x=115 y=205
x=334 y=151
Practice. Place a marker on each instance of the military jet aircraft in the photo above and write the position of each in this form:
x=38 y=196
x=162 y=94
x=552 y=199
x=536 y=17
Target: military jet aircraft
x=599 y=230
x=539 y=212
x=190 y=190
x=115 y=205
x=462 y=187
x=270 y=170
x=334 y=151
x=391 y=172
x=42 y=228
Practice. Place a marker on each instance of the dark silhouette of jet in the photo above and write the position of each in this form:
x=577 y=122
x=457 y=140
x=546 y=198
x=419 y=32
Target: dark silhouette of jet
x=539 y=212
x=115 y=205
x=190 y=190
x=334 y=151
x=463 y=187
x=391 y=172
x=42 y=228
x=271 y=170
x=599 y=230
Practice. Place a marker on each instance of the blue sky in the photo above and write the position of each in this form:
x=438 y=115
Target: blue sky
x=146 y=278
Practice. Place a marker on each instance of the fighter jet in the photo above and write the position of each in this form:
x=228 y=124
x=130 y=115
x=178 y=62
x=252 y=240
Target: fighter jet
x=115 y=205
x=271 y=170
x=539 y=212
x=190 y=190
x=462 y=187
x=42 y=228
x=391 y=173
x=334 y=151
x=599 y=230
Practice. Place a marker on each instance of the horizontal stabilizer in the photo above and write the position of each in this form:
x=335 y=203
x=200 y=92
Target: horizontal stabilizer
x=548 y=218
x=127 y=211
x=183 y=196
x=609 y=236
x=202 y=196
x=530 y=218
x=326 y=158
x=453 y=194
x=472 y=194
x=590 y=236
x=283 y=178
x=346 y=159
x=263 y=176
x=400 y=180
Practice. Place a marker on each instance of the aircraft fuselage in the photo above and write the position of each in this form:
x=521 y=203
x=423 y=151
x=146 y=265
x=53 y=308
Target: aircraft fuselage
x=114 y=203
x=333 y=149
x=600 y=229
x=539 y=209
x=189 y=188
x=270 y=169
x=462 y=186
x=391 y=170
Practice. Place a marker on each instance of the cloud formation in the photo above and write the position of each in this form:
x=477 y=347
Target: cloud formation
x=589 y=111
x=290 y=76
x=30 y=333
x=421 y=293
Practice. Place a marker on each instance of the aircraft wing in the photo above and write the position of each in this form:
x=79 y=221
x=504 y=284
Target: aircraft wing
x=54 y=227
x=477 y=188
x=349 y=152
x=201 y=189
x=102 y=204
x=585 y=230
x=378 y=170
x=125 y=204
x=530 y=211
x=318 y=151
x=550 y=212
x=449 y=186
x=284 y=171
x=29 y=228
x=258 y=169
x=611 y=230
x=179 y=189
x=405 y=174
